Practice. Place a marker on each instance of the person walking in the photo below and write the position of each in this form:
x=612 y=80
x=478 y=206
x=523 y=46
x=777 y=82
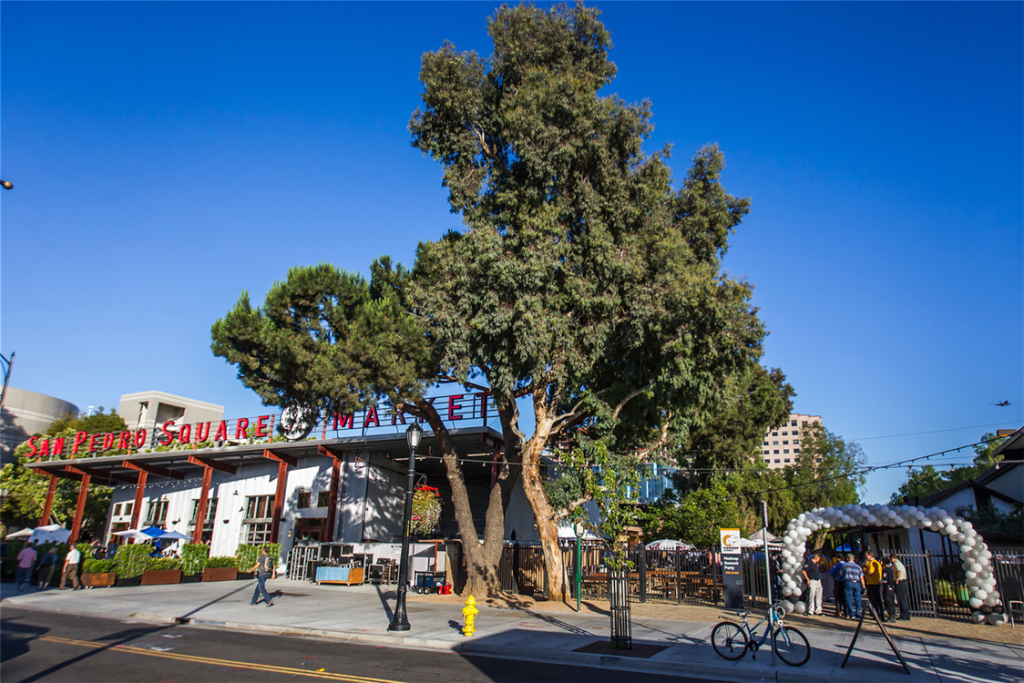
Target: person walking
x=264 y=569
x=902 y=588
x=853 y=583
x=889 y=589
x=838 y=586
x=46 y=566
x=812 y=574
x=873 y=582
x=71 y=568
x=26 y=559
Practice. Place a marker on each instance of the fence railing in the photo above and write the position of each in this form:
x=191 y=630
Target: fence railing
x=937 y=584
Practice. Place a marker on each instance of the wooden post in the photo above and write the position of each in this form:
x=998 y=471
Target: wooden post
x=282 y=475
x=332 y=506
x=83 y=492
x=204 y=494
x=45 y=519
x=140 y=490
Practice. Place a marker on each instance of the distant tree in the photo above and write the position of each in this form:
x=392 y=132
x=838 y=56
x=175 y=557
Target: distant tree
x=97 y=423
x=696 y=516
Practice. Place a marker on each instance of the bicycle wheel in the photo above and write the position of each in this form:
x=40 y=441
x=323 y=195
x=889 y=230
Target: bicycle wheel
x=791 y=646
x=729 y=640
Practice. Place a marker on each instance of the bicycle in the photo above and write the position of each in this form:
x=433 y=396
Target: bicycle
x=731 y=640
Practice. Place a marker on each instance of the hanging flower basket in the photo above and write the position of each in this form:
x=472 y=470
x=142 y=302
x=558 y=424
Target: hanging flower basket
x=426 y=510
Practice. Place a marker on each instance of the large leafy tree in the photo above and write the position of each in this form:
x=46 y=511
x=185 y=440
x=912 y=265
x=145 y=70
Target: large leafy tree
x=928 y=480
x=326 y=341
x=582 y=281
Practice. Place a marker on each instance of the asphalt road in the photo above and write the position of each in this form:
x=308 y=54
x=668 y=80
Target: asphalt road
x=43 y=646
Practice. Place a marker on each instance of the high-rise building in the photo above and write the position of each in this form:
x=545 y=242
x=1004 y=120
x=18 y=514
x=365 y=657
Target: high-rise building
x=781 y=446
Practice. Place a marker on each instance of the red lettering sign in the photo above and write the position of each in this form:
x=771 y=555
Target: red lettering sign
x=261 y=426
x=453 y=405
x=108 y=441
x=44 y=448
x=124 y=440
x=79 y=440
x=240 y=428
x=92 y=442
x=167 y=438
x=185 y=434
x=222 y=431
x=397 y=415
x=32 y=445
x=202 y=435
x=346 y=421
x=140 y=438
x=371 y=415
x=58 y=446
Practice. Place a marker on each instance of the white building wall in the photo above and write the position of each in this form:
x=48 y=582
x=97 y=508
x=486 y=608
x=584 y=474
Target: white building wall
x=1010 y=482
x=370 y=500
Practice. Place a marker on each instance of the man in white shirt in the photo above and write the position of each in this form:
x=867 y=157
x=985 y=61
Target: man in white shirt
x=71 y=568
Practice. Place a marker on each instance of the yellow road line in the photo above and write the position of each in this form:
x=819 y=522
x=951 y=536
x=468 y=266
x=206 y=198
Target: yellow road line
x=216 y=662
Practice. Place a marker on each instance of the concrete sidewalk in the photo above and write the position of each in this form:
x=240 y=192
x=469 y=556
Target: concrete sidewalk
x=663 y=645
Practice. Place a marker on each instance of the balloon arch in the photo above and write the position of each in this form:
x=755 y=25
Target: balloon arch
x=973 y=550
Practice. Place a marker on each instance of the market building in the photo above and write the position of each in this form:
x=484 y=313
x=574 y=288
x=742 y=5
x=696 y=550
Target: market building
x=227 y=482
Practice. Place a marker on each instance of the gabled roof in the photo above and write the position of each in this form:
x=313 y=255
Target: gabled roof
x=986 y=492
x=1014 y=446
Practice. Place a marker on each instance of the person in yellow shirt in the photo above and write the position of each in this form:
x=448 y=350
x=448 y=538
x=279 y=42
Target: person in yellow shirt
x=873 y=582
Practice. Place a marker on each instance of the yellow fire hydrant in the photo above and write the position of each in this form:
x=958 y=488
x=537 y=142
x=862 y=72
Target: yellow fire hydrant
x=469 y=612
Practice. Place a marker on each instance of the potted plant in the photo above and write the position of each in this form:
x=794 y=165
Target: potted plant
x=132 y=561
x=426 y=510
x=162 y=571
x=98 y=573
x=220 y=569
x=193 y=561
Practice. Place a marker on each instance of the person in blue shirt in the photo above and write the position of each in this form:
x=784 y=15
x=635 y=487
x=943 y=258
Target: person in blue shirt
x=853 y=583
x=838 y=590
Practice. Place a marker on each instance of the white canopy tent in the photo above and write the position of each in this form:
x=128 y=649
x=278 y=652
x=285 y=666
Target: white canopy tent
x=669 y=544
x=51 y=533
x=24 y=533
x=135 y=534
x=567 y=532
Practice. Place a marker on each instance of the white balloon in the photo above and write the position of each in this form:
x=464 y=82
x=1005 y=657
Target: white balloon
x=970 y=576
x=976 y=568
x=995 y=619
x=980 y=594
x=976 y=603
x=977 y=617
x=991 y=602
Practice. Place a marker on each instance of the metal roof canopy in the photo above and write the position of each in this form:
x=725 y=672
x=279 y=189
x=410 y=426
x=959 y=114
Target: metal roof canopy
x=470 y=442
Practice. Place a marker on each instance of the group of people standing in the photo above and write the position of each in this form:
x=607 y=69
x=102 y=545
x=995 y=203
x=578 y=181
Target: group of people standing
x=28 y=559
x=885 y=581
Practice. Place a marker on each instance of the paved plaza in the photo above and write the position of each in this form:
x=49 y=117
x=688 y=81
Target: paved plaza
x=669 y=638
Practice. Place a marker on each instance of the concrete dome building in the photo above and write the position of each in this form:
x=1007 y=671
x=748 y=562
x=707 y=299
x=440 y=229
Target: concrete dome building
x=26 y=413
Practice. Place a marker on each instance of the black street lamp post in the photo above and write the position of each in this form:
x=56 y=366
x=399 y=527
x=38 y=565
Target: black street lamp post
x=400 y=622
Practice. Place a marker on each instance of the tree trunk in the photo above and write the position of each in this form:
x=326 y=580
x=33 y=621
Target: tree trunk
x=547 y=526
x=481 y=559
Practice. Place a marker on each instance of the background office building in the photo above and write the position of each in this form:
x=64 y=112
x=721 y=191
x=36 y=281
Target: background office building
x=781 y=446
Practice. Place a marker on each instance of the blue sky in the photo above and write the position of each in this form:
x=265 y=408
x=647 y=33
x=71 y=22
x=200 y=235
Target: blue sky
x=168 y=156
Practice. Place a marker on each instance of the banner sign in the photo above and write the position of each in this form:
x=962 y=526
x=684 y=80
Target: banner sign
x=732 y=571
x=450 y=409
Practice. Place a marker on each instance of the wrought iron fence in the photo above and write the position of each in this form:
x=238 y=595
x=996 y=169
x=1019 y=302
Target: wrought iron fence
x=937 y=584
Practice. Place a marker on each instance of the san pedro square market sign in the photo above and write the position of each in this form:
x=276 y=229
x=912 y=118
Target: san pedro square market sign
x=450 y=408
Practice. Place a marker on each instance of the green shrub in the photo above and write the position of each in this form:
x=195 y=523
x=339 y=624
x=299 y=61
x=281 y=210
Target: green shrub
x=84 y=548
x=194 y=557
x=98 y=566
x=248 y=554
x=160 y=563
x=219 y=562
x=133 y=560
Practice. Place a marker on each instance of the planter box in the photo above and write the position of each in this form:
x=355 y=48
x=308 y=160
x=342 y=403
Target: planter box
x=160 y=577
x=192 y=578
x=220 y=573
x=98 y=580
x=128 y=581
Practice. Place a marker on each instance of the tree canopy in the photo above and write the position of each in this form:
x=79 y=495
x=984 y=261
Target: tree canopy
x=582 y=279
x=928 y=480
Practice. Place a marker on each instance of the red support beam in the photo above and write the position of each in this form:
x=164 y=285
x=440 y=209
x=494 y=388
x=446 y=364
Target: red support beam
x=45 y=519
x=280 y=457
x=140 y=490
x=332 y=507
x=153 y=469
x=204 y=494
x=212 y=464
x=76 y=526
x=282 y=475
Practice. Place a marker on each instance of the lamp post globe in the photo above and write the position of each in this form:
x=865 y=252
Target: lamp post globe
x=400 y=620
